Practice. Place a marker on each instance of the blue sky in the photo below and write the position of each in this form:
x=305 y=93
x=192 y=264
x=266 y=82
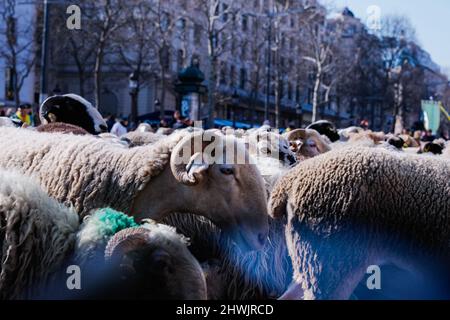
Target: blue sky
x=431 y=18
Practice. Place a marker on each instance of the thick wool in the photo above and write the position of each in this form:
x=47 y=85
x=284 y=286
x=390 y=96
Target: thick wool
x=138 y=138
x=83 y=171
x=355 y=207
x=36 y=236
x=230 y=273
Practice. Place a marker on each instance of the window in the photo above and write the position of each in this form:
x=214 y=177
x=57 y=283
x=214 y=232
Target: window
x=244 y=23
x=232 y=76
x=243 y=78
x=198 y=33
x=180 y=59
x=223 y=76
x=244 y=50
x=181 y=25
x=165 y=21
x=224 y=12
x=289 y=91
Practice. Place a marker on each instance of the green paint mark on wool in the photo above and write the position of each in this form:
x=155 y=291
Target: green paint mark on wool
x=112 y=221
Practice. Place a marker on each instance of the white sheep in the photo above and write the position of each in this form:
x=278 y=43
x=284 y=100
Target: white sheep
x=355 y=207
x=146 y=182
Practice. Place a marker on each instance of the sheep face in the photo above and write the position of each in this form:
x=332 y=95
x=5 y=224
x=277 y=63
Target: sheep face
x=228 y=192
x=72 y=109
x=153 y=262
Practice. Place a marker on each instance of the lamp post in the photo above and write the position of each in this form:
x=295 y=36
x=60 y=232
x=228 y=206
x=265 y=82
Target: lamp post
x=190 y=88
x=134 y=89
x=234 y=102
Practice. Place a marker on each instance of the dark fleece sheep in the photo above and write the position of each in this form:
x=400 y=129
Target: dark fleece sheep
x=352 y=208
x=230 y=273
x=73 y=109
x=62 y=127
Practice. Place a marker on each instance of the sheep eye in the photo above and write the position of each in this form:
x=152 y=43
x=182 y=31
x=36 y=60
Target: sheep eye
x=227 y=170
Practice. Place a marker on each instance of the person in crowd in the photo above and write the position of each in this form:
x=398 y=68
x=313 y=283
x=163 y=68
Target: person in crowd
x=23 y=114
x=364 y=124
x=180 y=122
x=110 y=121
x=120 y=127
x=290 y=127
x=2 y=113
x=429 y=136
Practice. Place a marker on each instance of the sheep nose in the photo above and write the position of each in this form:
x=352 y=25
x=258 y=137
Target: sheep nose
x=103 y=128
x=262 y=237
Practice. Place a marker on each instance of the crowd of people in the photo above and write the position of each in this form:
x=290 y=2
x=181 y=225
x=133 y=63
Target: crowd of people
x=119 y=126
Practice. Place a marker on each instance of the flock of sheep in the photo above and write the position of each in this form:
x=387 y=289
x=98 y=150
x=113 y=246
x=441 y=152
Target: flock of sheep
x=302 y=218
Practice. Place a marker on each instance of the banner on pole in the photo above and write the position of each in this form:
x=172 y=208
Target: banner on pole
x=432 y=115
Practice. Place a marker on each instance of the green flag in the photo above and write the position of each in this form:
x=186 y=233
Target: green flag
x=432 y=115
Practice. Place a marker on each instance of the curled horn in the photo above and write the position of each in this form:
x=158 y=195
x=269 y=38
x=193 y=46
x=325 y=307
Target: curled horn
x=180 y=169
x=297 y=134
x=125 y=241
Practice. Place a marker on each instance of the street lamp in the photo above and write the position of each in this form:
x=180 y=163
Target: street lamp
x=234 y=102
x=134 y=89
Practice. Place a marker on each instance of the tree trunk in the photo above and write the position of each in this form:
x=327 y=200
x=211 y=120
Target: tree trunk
x=163 y=94
x=97 y=74
x=316 y=98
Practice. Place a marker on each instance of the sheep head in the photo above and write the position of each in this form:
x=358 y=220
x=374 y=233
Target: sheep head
x=221 y=184
x=72 y=109
x=153 y=263
x=325 y=128
x=306 y=143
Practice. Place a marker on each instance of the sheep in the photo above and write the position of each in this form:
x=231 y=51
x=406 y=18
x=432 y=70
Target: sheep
x=138 y=138
x=307 y=143
x=36 y=235
x=356 y=207
x=152 y=262
x=232 y=274
x=144 y=127
x=146 y=182
x=345 y=133
x=8 y=122
x=73 y=109
x=164 y=131
x=124 y=260
x=40 y=238
x=61 y=127
x=325 y=128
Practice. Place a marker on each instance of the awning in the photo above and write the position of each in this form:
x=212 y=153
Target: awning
x=228 y=123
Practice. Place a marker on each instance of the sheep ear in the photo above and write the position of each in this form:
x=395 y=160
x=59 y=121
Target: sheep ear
x=277 y=206
x=52 y=117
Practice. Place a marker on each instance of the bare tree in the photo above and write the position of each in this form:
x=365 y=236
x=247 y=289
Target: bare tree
x=217 y=16
x=79 y=44
x=18 y=51
x=164 y=25
x=134 y=44
x=104 y=19
x=325 y=54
